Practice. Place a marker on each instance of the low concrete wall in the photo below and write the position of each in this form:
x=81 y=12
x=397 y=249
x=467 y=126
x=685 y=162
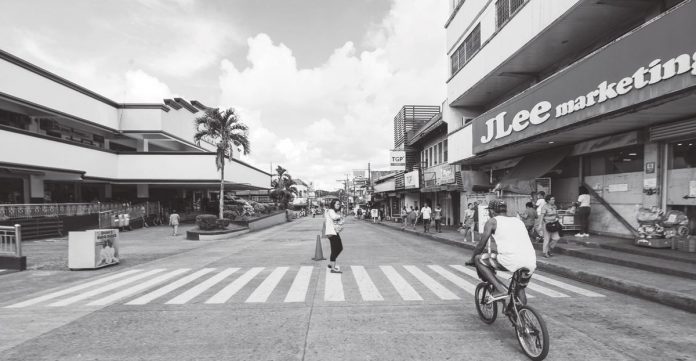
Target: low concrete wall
x=272 y=220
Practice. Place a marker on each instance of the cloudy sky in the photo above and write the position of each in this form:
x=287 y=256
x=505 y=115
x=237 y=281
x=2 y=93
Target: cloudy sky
x=317 y=81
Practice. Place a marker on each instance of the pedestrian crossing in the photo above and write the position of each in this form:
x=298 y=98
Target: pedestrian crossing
x=255 y=285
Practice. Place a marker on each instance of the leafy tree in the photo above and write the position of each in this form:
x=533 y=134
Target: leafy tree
x=225 y=131
x=282 y=192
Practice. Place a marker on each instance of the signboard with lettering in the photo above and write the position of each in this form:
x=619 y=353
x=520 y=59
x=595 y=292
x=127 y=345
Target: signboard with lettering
x=94 y=248
x=397 y=159
x=618 y=76
x=411 y=180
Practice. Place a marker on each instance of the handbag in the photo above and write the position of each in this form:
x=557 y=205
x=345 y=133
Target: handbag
x=338 y=228
x=554 y=226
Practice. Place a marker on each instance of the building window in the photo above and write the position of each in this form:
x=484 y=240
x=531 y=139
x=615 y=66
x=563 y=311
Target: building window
x=467 y=49
x=505 y=10
x=615 y=161
x=430 y=156
x=439 y=153
x=445 y=151
x=683 y=154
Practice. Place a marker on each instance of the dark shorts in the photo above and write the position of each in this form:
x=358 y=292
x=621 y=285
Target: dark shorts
x=490 y=260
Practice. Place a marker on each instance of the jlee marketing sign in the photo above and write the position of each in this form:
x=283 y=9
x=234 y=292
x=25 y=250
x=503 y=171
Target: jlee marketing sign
x=397 y=159
x=625 y=73
x=411 y=180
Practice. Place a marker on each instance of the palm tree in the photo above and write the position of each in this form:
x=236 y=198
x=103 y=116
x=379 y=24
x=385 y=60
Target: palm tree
x=282 y=191
x=223 y=130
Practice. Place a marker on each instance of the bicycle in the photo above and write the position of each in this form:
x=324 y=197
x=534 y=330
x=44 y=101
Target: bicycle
x=530 y=328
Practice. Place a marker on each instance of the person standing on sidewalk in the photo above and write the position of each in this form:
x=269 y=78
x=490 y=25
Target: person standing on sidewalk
x=333 y=224
x=413 y=217
x=426 y=212
x=529 y=217
x=469 y=214
x=404 y=218
x=549 y=214
x=174 y=223
x=437 y=216
x=541 y=201
x=583 y=212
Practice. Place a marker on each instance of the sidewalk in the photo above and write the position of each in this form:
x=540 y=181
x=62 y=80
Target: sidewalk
x=663 y=276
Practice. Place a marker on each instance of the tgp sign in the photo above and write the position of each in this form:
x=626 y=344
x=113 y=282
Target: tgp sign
x=397 y=159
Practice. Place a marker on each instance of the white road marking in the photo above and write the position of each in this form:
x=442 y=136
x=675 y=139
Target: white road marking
x=170 y=287
x=404 y=289
x=298 y=290
x=202 y=287
x=368 y=290
x=137 y=288
x=263 y=291
x=460 y=282
x=470 y=272
x=566 y=286
x=66 y=291
x=230 y=290
x=536 y=287
x=433 y=285
x=106 y=288
x=333 y=287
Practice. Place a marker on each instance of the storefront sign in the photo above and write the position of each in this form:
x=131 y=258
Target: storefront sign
x=591 y=88
x=397 y=159
x=446 y=174
x=692 y=188
x=649 y=183
x=650 y=167
x=411 y=180
x=618 y=188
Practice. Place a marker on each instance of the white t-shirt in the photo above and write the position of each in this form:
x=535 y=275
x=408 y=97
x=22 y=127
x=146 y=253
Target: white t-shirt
x=584 y=200
x=425 y=211
x=515 y=250
x=540 y=204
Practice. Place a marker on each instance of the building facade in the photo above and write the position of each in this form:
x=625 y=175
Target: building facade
x=552 y=95
x=62 y=143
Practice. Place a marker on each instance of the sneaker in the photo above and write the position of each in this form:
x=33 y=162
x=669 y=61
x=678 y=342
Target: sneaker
x=328 y=265
x=336 y=269
x=546 y=255
x=586 y=235
x=579 y=235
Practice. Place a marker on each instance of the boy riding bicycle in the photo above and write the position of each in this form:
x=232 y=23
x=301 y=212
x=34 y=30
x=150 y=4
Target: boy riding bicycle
x=514 y=249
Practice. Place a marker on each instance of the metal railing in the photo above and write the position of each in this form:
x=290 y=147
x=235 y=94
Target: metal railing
x=15 y=211
x=11 y=240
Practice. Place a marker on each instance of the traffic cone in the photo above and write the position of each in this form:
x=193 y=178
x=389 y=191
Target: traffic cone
x=318 y=253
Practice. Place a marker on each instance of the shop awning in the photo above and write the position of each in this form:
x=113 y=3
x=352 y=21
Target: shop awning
x=521 y=178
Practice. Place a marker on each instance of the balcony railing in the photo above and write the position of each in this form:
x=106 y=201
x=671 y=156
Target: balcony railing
x=15 y=211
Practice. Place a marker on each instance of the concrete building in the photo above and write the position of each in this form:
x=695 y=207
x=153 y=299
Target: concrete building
x=554 y=94
x=63 y=143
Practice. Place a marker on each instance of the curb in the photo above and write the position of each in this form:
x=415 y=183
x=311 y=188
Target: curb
x=632 y=250
x=668 y=298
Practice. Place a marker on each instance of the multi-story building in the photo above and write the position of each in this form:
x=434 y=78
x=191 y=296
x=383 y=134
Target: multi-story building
x=63 y=143
x=556 y=94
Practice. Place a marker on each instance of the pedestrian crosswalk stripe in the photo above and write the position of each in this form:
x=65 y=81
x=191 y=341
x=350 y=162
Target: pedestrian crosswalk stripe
x=368 y=290
x=462 y=283
x=298 y=290
x=471 y=273
x=538 y=288
x=263 y=291
x=404 y=289
x=66 y=291
x=430 y=282
x=333 y=287
x=202 y=287
x=170 y=287
x=236 y=285
x=106 y=288
x=567 y=287
x=137 y=288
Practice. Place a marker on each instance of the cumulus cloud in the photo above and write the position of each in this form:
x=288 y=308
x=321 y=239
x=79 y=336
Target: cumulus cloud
x=321 y=123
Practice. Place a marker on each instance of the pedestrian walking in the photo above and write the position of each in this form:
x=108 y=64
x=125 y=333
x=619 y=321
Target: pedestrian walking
x=426 y=213
x=404 y=216
x=550 y=225
x=437 y=216
x=374 y=214
x=583 y=212
x=333 y=225
x=541 y=201
x=529 y=217
x=469 y=215
x=174 y=222
x=412 y=217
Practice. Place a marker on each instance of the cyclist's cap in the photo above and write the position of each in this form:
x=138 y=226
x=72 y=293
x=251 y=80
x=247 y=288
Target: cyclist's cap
x=497 y=206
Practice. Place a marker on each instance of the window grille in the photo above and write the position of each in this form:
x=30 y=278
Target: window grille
x=467 y=49
x=505 y=9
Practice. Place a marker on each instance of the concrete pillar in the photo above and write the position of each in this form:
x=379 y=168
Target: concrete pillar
x=77 y=192
x=142 y=145
x=652 y=187
x=36 y=185
x=108 y=191
x=26 y=189
x=143 y=191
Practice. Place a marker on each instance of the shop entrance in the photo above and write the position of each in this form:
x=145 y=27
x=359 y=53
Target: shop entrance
x=11 y=190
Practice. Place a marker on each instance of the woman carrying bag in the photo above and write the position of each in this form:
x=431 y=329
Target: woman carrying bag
x=550 y=225
x=333 y=224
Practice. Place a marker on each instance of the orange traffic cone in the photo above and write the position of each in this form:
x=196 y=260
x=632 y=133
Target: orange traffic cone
x=318 y=253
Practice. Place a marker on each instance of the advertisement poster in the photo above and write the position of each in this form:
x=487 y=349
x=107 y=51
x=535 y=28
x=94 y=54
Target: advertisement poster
x=446 y=175
x=411 y=180
x=106 y=247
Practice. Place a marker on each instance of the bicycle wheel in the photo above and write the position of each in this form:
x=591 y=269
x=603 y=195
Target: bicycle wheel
x=532 y=334
x=487 y=312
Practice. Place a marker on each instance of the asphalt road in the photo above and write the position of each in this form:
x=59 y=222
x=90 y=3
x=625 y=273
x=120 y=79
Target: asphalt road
x=261 y=297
